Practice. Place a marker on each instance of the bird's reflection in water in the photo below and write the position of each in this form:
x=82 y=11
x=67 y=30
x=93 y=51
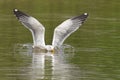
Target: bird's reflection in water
x=42 y=65
x=49 y=66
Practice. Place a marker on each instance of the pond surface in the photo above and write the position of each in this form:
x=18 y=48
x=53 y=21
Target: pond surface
x=91 y=53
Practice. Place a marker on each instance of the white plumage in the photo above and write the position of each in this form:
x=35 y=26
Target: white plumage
x=60 y=33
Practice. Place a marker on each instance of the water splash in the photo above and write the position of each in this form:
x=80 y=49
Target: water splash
x=47 y=65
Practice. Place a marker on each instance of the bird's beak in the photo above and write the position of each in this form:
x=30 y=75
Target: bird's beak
x=52 y=51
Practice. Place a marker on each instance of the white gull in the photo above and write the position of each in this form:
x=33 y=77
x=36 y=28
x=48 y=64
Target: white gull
x=60 y=33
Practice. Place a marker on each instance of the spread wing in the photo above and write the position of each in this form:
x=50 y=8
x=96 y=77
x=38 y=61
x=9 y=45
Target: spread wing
x=67 y=28
x=33 y=25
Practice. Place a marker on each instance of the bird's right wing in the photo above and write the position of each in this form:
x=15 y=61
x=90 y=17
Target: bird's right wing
x=33 y=25
x=67 y=28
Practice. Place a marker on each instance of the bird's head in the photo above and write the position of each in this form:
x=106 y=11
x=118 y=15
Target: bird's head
x=50 y=48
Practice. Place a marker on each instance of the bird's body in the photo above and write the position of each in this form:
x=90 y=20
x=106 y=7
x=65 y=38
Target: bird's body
x=60 y=33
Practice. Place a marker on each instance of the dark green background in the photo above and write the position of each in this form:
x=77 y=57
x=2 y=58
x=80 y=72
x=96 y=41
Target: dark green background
x=96 y=43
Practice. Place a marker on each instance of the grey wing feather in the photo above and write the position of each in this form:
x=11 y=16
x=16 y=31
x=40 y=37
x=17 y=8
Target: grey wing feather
x=33 y=25
x=67 y=28
x=28 y=21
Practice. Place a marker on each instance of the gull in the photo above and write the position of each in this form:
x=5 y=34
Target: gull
x=61 y=32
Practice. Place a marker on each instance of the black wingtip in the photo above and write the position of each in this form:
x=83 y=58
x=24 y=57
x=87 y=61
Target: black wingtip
x=15 y=11
x=19 y=13
x=81 y=17
x=85 y=14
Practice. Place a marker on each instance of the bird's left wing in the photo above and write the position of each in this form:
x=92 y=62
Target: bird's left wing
x=67 y=28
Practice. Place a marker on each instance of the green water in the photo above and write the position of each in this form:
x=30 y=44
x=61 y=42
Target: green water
x=91 y=53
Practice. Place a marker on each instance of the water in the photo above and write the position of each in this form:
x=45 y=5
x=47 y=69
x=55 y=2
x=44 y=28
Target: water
x=91 y=53
x=45 y=65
